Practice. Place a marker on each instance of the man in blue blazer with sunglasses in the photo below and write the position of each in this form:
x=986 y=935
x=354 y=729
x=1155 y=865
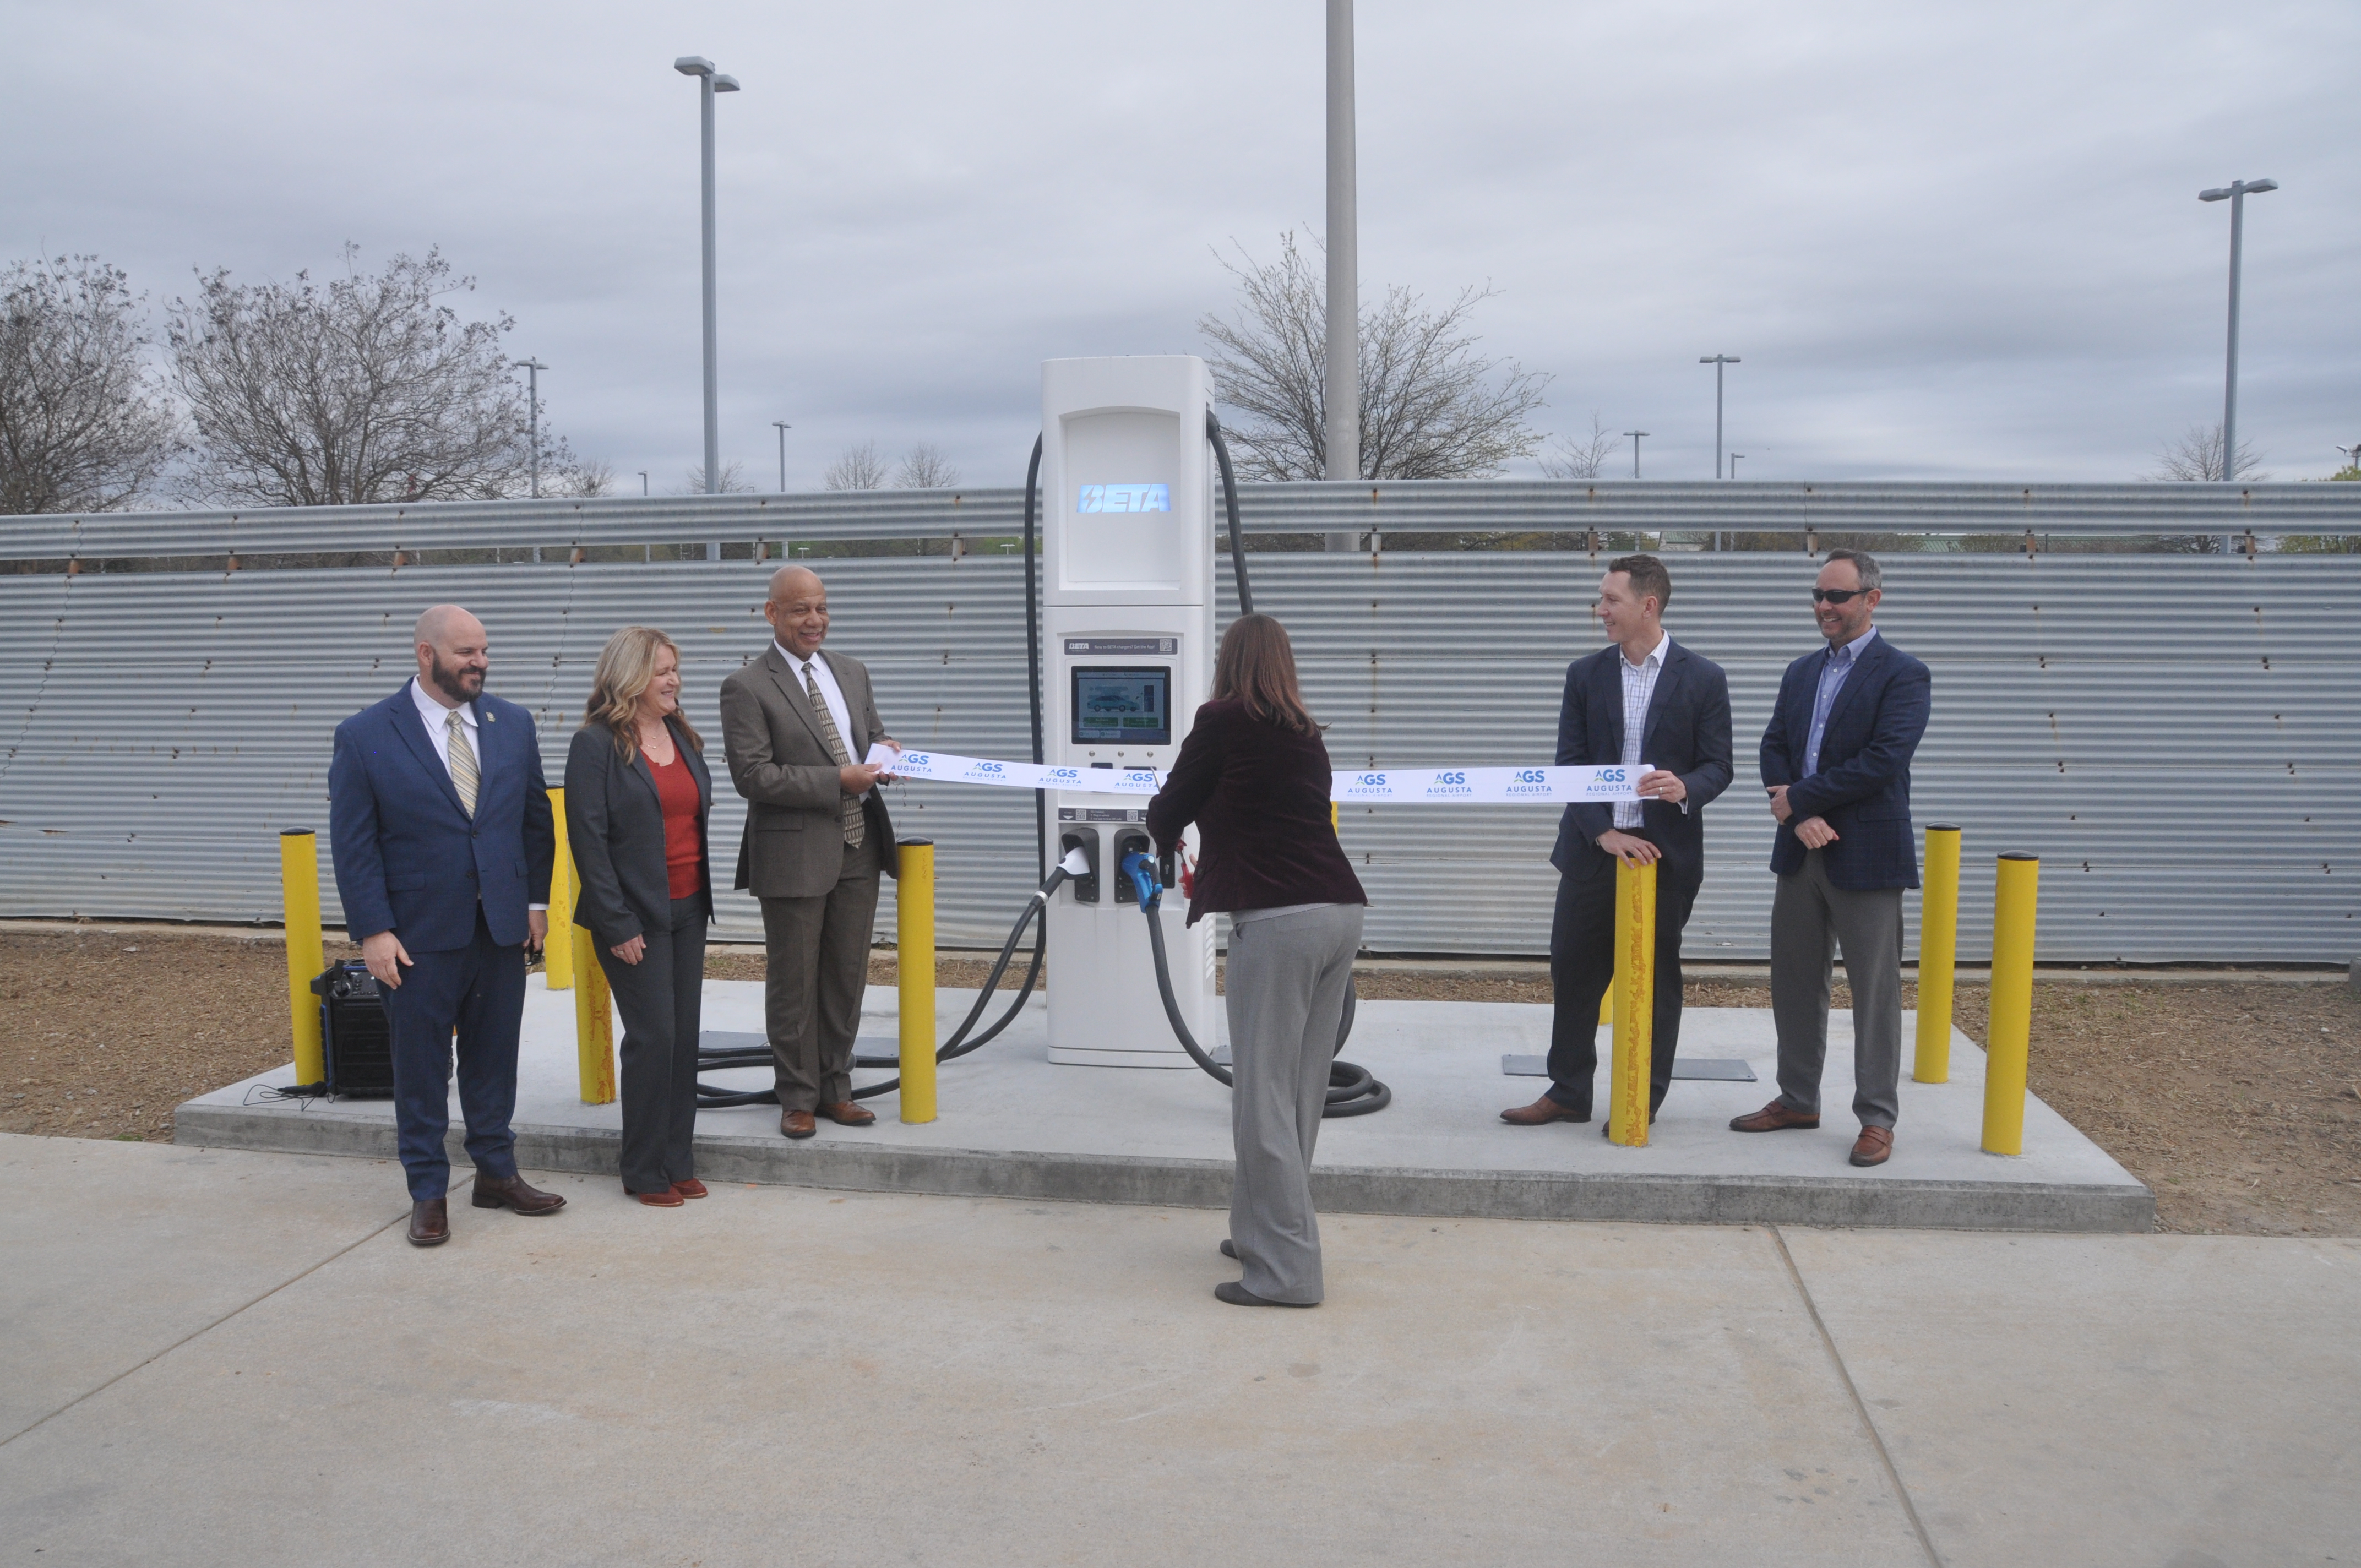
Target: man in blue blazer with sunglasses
x=1836 y=763
x=443 y=842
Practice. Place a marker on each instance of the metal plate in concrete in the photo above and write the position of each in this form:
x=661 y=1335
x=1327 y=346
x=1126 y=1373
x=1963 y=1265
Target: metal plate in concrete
x=1011 y=1124
x=1705 y=1070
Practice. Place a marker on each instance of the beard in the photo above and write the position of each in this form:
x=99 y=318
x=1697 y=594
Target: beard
x=460 y=685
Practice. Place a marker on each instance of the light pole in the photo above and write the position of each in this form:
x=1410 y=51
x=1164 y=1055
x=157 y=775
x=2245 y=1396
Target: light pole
x=2236 y=192
x=1733 y=463
x=532 y=369
x=1343 y=382
x=783 y=427
x=1635 y=435
x=1716 y=361
x=708 y=83
x=643 y=484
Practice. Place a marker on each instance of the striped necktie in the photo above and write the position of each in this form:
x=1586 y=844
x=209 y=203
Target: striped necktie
x=463 y=776
x=855 y=828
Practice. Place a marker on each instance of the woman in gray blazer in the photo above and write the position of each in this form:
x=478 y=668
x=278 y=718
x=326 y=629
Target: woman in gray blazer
x=637 y=795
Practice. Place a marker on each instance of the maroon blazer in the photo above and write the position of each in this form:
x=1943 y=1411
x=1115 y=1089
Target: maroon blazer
x=1258 y=794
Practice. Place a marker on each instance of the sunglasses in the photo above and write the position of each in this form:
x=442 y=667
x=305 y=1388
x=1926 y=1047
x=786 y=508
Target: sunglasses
x=1836 y=596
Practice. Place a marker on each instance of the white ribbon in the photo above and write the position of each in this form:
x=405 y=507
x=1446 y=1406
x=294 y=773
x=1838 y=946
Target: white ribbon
x=1611 y=782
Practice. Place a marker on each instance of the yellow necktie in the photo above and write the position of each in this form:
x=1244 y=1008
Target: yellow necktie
x=463 y=776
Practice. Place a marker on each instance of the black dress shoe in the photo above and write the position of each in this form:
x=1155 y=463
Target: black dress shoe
x=511 y=1192
x=1229 y=1248
x=1239 y=1296
x=430 y=1222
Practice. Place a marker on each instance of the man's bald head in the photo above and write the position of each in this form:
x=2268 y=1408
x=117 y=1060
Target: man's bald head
x=437 y=624
x=790 y=581
x=798 y=610
x=452 y=654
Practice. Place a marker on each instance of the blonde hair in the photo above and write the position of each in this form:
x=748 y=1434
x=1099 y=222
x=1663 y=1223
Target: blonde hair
x=627 y=666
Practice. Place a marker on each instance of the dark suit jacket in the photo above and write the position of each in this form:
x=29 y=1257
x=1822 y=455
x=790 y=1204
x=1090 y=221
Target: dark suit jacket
x=1862 y=787
x=793 y=847
x=409 y=859
x=1688 y=733
x=614 y=824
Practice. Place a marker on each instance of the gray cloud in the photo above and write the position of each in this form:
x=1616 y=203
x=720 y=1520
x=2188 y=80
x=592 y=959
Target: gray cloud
x=1958 y=242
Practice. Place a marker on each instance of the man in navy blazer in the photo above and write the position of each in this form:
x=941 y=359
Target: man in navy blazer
x=442 y=832
x=1644 y=699
x=1836 y=763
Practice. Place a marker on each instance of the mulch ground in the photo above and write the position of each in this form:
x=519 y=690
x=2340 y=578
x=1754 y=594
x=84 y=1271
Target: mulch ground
x=2240 y=1104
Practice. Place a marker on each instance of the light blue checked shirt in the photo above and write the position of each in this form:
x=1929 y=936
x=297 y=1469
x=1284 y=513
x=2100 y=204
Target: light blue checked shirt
x=1832 y=679
x=1639 y=690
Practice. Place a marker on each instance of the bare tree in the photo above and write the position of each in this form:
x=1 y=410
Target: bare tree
x=923 y=468
x=2197 y=456
x=366 y=389
x=860 y=467
x=580 y=477
x=1431 y=408
x=733 y=480
x=1572 y=459
x=84 y=425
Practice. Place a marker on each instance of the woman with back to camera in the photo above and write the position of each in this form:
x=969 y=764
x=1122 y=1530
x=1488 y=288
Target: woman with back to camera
x=1254 y=776
x=637 y=794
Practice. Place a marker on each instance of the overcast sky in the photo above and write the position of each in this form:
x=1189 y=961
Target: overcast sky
x=1955 y=242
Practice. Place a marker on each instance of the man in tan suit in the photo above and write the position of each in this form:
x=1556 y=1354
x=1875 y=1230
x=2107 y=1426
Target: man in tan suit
x=796 y=723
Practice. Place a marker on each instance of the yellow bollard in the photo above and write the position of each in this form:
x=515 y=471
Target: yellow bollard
x=1635 y=1004
x=914 y=936
x=557 y=958
x=593 y=1022
x=2009 y=1035
x=299 y=890
x=1939 y=950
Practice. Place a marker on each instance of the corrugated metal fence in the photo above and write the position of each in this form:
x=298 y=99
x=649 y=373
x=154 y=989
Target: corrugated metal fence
x=2178 y=736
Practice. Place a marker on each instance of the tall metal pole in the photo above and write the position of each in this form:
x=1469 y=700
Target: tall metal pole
x=1635 y=435
x=1716 y=361
x=1344 y=370
x=783 y=428
x=2236 y=191
x=532 y=369
x=712 y=376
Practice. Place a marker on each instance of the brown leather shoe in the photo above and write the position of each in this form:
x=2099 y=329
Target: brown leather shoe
x=1775 y=1117
x=1541 y=1113
x=798 y=1124
x=692 y=1188
x=430 y=1222
x=511 y=1192
x=848 y=1114
x=1874 y=1146
x=669 y=1198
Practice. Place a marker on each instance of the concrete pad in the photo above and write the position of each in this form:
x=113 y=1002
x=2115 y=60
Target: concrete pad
x=1013 y=1124
x=778 y=1375
x=2177 y=1401
x=117 y=1252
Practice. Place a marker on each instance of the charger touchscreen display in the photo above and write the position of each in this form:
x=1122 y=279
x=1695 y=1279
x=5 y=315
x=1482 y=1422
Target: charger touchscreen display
x=1115 y=705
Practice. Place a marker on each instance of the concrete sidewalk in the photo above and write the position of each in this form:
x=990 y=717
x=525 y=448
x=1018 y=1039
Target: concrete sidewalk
x=231 y=1357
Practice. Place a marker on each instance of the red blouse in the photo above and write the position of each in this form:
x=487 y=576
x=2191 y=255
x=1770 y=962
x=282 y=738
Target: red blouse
x=683 y=844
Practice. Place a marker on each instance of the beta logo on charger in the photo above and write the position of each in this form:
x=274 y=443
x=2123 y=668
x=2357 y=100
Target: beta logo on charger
x=1125 y=498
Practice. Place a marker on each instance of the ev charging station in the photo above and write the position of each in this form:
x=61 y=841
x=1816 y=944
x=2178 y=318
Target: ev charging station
x=1127 y=658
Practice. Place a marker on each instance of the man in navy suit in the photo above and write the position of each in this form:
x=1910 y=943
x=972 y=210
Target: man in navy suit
x=1836 y=761
x=444 y=841
x=1643 y=700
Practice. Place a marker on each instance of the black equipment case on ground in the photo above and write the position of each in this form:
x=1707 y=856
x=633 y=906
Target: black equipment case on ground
x=355 y=1035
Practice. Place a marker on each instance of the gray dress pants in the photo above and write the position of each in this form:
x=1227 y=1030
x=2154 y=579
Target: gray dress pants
x=1810 y=920
x=662 y=1000
x=816 y=968
x=1286 y=995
